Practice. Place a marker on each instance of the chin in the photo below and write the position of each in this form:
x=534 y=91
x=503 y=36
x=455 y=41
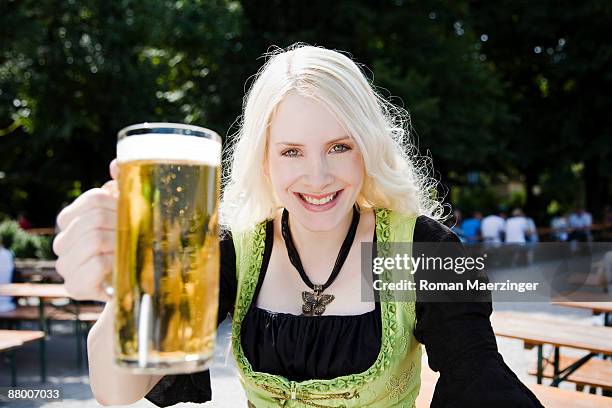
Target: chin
x=318 y=223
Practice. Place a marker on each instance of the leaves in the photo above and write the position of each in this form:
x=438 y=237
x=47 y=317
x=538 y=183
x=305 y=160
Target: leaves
x=507 y=88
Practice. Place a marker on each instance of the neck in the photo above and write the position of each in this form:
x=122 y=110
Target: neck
x=306 y=240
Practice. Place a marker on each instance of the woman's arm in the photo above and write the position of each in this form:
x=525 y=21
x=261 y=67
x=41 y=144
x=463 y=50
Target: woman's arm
x=112 y=386
x=461 y=345
x=109 y=384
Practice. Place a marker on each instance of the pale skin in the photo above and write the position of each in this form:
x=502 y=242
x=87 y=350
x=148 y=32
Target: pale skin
x=308 y=153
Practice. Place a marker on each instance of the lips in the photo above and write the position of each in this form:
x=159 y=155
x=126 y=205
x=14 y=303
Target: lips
x=319 y=202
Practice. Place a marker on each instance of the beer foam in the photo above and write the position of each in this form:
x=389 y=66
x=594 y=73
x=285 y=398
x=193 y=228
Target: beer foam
x=165 y=147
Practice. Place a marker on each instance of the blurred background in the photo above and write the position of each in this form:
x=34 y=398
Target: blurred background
x=510 y=99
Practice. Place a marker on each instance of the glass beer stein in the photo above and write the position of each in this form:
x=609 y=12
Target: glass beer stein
x=166 y=277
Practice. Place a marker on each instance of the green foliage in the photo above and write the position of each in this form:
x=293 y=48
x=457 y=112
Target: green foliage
x=8 y=231
x=514 y=88
x=72 y=73
x=554 y=60
x=475 y=198
x=44 y=249
x=24 y=245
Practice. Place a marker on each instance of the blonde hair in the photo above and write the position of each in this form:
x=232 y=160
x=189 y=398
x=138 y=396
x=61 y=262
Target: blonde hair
x=396 y=177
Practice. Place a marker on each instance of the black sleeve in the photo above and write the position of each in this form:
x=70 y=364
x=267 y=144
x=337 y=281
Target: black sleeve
x=195 y=387
x=461 y=345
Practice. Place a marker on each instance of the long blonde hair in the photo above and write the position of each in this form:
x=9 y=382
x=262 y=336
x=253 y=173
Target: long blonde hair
x=396 y=177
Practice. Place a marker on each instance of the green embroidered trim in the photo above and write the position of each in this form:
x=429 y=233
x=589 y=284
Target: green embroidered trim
x=338 y=384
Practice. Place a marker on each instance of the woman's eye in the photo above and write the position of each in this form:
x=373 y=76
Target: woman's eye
x=340 y=148
x=290 y=153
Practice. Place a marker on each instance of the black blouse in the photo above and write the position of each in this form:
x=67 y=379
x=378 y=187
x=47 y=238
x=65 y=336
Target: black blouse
x=305 y=347
x=458 y=338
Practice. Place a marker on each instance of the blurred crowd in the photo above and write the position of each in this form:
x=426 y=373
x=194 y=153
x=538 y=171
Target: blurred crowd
x=520 y=228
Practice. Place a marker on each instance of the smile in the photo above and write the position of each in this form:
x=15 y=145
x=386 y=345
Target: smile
x=319 y=199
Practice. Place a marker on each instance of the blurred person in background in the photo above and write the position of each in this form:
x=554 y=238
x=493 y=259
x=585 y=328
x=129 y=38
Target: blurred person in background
x=517 y=230
x=532 y=236
x=454 y=223
x=517 y=227
x=580 y=223
x=560 y=227
x=7 y=267
x=471 y=228
x=493 y=228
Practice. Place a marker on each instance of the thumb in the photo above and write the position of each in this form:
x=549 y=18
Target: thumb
x=114 y=169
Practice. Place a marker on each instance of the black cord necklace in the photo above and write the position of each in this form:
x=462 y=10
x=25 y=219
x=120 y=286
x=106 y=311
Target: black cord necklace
x=315 y=301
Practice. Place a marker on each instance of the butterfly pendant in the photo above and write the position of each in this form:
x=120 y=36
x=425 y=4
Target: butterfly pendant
x=315 y=302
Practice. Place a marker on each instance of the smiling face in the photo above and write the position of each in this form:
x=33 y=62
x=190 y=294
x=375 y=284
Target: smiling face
x=315 y=167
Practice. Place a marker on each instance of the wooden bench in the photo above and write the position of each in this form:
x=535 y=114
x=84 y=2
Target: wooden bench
x=594 y=373
x=86 y=313
x=10 y=340
x=83 y=316
x=548 y=396
x=558 y=398
x=23 y=313
x=540 y=331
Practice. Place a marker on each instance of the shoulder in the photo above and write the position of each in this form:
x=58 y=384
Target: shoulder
x=427 y=229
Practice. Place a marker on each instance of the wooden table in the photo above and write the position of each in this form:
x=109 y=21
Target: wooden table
x=595 y=307
x=29 y=269
x=42 y=291
x=39 y=290
x=13 y=339
x=539 y=331
x=548 y=396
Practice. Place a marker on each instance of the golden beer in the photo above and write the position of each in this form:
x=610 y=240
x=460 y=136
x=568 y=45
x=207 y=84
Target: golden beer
x=166 y=279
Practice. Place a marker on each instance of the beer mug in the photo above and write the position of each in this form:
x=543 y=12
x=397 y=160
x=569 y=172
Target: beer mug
x=166 y=277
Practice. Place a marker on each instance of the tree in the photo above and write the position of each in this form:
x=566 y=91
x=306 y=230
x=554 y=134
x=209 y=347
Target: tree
x=555 y=60
x=73 y=73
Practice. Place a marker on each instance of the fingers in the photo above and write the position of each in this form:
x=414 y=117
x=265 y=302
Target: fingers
x=114 y=169
x=88 y=285
x=93 y=244
x=96 y=197
x=86 y=265
x=86 y=244
x=92 y=219
x=111 y=187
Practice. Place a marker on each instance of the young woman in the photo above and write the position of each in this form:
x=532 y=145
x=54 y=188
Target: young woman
x=320 y=165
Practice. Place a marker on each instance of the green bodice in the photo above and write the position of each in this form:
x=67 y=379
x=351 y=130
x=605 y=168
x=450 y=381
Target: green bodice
x=394 y=378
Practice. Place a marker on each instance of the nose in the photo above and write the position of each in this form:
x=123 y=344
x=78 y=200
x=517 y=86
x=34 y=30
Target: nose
x=318 y=174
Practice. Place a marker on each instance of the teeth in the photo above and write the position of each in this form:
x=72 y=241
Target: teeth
x=316 y=201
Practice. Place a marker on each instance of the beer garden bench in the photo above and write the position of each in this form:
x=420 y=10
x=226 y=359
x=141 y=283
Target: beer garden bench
x=83 y=316
x=594 y=373
x=540 y=331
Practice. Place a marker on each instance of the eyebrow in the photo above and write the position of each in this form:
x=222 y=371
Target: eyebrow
x=339 y=139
